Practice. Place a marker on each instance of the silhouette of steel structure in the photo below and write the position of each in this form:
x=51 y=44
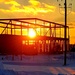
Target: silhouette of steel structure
x=15 y=39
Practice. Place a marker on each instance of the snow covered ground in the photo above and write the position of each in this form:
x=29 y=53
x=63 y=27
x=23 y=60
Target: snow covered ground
x=37 y=65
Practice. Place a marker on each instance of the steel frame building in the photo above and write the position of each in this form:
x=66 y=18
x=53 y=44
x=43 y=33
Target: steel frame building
x=14 y=36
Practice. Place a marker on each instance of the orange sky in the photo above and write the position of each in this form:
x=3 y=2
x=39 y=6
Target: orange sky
x=44 y=9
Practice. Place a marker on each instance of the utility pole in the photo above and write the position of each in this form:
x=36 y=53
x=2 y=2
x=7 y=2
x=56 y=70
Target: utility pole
x=65 y=30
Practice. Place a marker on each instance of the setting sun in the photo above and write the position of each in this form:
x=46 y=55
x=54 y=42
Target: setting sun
x=32 y=33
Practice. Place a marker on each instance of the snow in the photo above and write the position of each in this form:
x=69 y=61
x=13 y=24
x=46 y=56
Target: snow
x=37 y=65
x=7 y=72
x=1 y=66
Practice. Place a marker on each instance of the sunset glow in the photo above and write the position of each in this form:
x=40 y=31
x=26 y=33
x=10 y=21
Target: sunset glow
x=32 y=33
x=43 y=9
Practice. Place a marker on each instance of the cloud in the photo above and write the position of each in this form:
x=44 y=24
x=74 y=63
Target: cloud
x=13 y=3
x=8 y=5
x=13 y=6
x=34 y=2
x=34 y=7
x=4 y=1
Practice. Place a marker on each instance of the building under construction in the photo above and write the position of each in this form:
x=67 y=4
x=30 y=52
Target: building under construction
x=15 y=36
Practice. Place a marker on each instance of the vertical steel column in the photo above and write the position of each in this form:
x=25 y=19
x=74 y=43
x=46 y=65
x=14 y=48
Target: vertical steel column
x=44 y=41
x=14 y=29
x=55 y=30
x=28 y=34
x=5 y=31
x=36 y=41
x=11 y=26
x=7 y=28
x=50 y=37
x=21 y=42
x=54 y=36
x=60 y=31
x=48 y=46
x=21 y=29
x=44 y=29
x=69 y=39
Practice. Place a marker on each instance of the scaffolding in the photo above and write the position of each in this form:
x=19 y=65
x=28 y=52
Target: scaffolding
x=49 y=36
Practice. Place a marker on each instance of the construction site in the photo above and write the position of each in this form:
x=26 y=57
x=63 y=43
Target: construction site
x=31 y=36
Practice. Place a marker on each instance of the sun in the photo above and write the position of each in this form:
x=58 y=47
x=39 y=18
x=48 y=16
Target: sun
x=32 y=33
